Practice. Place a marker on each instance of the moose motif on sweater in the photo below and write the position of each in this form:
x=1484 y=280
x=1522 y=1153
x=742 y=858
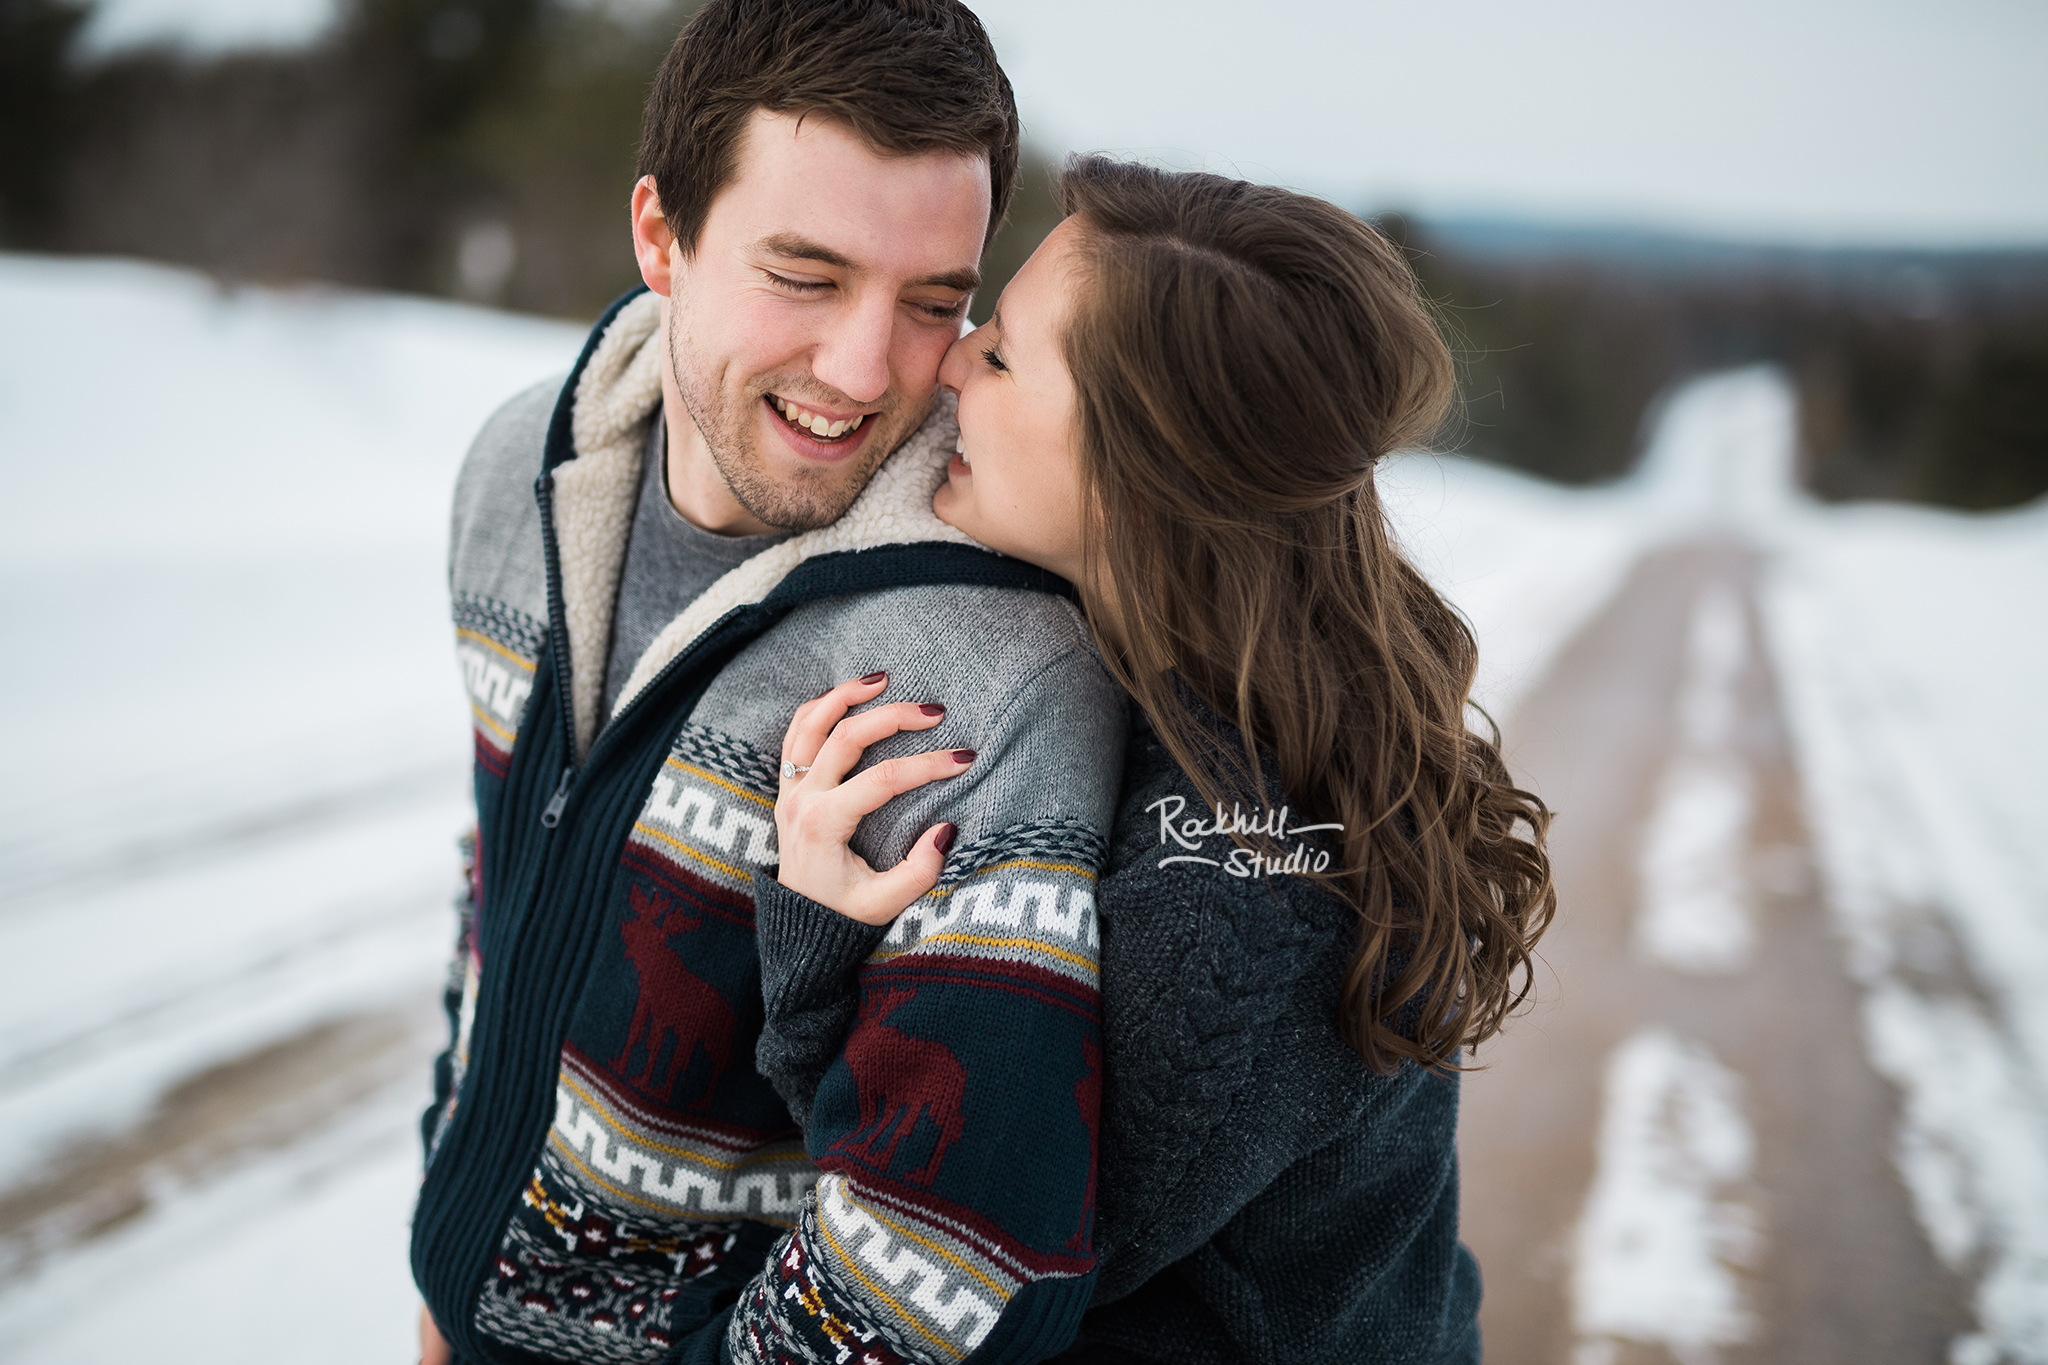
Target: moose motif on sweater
x=675 y=1003
x=900 y=1079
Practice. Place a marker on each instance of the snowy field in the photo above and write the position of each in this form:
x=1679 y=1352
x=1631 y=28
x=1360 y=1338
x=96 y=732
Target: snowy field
x=237 y=759
x=237 y=756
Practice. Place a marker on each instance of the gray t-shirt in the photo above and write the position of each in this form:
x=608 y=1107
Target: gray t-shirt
x=669 y=563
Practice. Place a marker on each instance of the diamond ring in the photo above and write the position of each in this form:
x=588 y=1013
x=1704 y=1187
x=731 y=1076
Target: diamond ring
x=790 y=769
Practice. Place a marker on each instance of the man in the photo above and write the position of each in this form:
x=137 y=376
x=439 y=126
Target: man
x=724 y=511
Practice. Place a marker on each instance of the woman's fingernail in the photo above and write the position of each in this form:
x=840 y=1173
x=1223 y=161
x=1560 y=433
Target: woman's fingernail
x=875 y=677
x=944 y=842
x=932 y=708
x=963 y=755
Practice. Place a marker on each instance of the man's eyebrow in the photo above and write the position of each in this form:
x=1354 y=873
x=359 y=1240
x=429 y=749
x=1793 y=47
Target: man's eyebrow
x=966 y=281
x=802 y=249
x=793 y=247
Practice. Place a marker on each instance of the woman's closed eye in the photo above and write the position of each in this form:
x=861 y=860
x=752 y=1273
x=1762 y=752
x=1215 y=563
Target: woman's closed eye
x=993 y=359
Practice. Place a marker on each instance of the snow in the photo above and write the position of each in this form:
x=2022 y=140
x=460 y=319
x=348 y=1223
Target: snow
x=1527 y=562
x=246 y=494
x=1668 y=1222
x=237 y=759
x=251 y=1267
x=188 y=965
x=1914 y=659
x=238 y=754
x=1723 y=454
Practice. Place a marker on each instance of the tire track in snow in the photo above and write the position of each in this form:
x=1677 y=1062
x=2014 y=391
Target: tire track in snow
x=1668 y=1225
x=270 y=1098
x=74 y=856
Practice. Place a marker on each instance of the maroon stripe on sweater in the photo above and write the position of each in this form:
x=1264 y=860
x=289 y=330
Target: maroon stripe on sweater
x=493 y=760
x=678 y=880
x=1017 y=978
x=696 y=1128
x=957 y=1220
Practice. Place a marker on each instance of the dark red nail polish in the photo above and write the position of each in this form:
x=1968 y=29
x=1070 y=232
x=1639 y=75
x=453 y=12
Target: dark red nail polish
x=875 y=677
x=932 y=708
x=963 y=755
x=944 y=842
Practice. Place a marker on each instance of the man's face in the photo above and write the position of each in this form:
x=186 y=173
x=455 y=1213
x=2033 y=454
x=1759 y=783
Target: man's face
x=807 y=327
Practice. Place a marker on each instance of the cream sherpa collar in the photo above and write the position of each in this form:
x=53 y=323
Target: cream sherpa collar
x=616 y=394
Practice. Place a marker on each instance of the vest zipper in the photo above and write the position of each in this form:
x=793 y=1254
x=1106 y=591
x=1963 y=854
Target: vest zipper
x=558 y=640
x=552 y=816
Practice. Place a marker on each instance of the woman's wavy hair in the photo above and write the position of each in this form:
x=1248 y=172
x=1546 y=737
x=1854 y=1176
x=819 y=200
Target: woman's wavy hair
x=1242 y=357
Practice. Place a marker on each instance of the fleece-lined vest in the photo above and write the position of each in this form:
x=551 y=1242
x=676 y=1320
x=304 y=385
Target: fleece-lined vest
x=610 y=1178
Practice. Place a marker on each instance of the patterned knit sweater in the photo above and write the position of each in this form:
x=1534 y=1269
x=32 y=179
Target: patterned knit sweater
x=609 y=1178
x=1263 y=1196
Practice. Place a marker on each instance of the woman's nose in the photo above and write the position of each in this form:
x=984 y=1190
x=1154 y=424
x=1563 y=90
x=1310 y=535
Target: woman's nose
x=953 y=370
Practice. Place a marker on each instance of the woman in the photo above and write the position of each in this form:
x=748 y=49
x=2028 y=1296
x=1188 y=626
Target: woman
x=1321 y=886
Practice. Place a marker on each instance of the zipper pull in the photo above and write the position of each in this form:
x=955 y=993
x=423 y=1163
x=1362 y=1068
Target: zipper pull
x=552 y=816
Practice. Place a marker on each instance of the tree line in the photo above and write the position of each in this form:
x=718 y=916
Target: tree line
x=482 y=149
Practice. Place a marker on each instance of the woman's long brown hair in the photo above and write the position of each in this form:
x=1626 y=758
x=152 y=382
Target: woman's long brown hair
x=1242 y=357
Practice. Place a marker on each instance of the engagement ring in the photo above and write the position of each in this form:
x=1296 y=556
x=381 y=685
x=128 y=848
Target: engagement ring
x=790 y=769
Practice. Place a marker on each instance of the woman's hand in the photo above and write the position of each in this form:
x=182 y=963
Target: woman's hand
x=818 y=808
x=433 y=1350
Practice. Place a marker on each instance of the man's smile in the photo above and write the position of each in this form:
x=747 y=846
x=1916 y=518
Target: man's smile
x=824 y=428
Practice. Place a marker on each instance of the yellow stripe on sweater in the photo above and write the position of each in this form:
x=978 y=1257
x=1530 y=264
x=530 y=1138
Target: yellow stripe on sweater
x=524 y=665
x=985 y=941
x=716 y=780
x=679 y=846
x=944 y=891
x=882 y=1294
x=500 y=731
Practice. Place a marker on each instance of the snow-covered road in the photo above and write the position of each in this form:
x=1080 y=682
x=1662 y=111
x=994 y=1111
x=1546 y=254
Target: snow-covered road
x=237 y=751
x=1785 y=1097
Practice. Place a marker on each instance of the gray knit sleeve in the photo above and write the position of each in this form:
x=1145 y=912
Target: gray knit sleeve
x=809 y=953
x=1049 y=731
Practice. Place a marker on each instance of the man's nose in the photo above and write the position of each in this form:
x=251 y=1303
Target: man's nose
x=853 y=357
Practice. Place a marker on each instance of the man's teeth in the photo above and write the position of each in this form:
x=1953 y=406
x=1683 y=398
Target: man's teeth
x=816 y=425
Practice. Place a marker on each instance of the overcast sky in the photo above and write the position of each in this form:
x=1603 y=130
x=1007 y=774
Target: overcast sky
x=1885 y=121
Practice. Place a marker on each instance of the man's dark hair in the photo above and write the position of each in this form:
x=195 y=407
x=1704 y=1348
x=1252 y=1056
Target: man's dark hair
x=909 y=76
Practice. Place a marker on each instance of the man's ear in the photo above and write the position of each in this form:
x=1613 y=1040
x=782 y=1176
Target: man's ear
x=653 y=243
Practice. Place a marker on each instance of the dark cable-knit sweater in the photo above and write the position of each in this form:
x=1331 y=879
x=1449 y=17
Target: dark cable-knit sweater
x=1262 y=1195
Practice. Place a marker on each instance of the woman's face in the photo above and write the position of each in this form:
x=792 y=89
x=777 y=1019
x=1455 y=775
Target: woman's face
x=1015 y=486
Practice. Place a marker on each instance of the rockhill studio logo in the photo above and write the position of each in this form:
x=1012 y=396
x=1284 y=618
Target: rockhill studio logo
x=1239 y=861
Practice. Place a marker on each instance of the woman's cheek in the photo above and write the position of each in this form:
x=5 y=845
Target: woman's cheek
x=947 y=506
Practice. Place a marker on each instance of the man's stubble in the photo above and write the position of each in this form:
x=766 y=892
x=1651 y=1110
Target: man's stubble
x=815 y=497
